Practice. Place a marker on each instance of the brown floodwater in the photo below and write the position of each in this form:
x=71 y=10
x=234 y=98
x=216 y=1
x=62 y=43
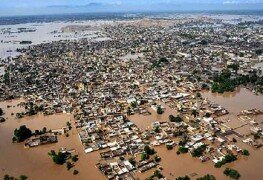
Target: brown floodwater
x=35 y=162
x=236 y=101
x=249 y=167
x=144 y=121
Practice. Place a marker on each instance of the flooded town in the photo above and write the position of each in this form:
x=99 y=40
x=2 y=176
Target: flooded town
x=177 y=96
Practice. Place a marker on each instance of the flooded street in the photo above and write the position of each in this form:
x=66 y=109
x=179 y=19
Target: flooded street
x=35 y=162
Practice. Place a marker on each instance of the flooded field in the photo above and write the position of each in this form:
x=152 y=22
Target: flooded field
x=144 y=121
x=35 y=162
x=236 y=101
x=12 y=35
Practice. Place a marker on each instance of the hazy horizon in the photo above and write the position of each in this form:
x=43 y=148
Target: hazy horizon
x=47 y=7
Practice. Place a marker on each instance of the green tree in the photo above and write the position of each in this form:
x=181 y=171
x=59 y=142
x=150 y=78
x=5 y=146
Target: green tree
x=75 y=158
x=157 y=174
x=245 y=152
x=22 y=133
x=23 y=177
x=183 y=178
x=75 y=172
x=148 y=150
x=232 y=173
x=58 y=158
x=159 y=110
x=207 y=177
x=1 y=112
x=194 y=112
x=144 y=156
x=69 y=165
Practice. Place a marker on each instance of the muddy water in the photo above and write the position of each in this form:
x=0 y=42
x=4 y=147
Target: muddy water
x=236 y=101
x=249 y=167
x=180 y=165
x=144 y=121
x=34 y=162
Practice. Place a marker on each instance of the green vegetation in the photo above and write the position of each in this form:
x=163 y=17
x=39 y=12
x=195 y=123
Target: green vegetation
x=134 y=104
x=33 y=109
x=7 y=78
x=176 y=119
x=234 y=66
x=157 y=158
x=69 y=165
x=157 y=129
x=75 y=158
x=39 y=132
x=132 y=161
x=59 y=158
x=148 y=150
x=224 y=83
x=159 y=110
x=205 y=86
x=194 y=113
x=182 y=149
x=156 y=174
x=22 y=177
x=169 y=147
x=207 y=115
x=160 y=62
x=234 y=140
x=227 y=159
x=178 y=133
x=22 y=134
x=259 y=52
x=198 y=95
x=75 y=172
x=1 y=112
x=245 y=152
x=232 y=173
x=207 y=177
x=144 y=156
x=198 y=151
x=183 y=178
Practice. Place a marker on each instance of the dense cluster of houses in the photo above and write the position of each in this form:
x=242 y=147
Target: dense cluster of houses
x=102 y=83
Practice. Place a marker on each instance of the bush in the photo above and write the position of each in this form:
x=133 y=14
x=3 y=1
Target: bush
x=144 y=156
x=175 y=119
x=207 y=177
x=75 y=158
x=183 y=149
x=169 y=147
x=183 y=178
x=159 y=110
x=69 y=165
x=22 y=177
x=232 y=173
x=59 y=158
x=148 y=150
x=132 y=161
x=1 y=112
x=75 y=172
x=157 y=158
x=22 y=133
x=245 y=152
x=198 y=151
x=227 y=159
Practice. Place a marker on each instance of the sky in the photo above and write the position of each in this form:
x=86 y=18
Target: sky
x=27 y=7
